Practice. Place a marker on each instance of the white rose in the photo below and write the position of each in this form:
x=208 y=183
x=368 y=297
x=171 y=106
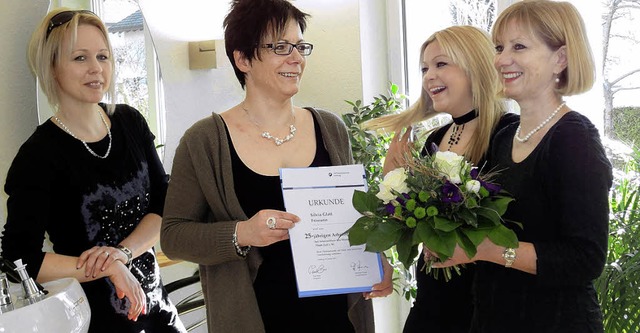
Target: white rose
x=385 y=194
x=450 y=165
x=473 y=186
x=394 y=181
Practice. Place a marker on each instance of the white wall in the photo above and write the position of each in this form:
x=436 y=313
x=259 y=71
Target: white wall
x=343 y=66
x=18 y=109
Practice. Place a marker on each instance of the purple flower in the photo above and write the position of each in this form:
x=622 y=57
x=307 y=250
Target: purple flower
x=402 y=199
x=450 y=193
x=390 y=208
x=492 y=188
x=474 y=173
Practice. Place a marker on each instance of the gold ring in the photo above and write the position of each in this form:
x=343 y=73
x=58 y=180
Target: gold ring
x=271 y=223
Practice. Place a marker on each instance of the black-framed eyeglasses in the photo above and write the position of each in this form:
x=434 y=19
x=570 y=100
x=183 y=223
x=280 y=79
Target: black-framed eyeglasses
x=284 y=48
x=64 y=17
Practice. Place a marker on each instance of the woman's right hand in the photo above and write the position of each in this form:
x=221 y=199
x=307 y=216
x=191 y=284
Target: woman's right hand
x=256 y=231
x=398 y=149
x=128 y=286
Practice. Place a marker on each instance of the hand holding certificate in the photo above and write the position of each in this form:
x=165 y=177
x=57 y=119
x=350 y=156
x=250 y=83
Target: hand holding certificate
x=324 y=262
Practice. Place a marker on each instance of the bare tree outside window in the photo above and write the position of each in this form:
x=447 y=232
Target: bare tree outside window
x=620 y=67
x=479 y=13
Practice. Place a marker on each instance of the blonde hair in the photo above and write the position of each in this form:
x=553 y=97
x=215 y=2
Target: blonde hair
x=472 y=50
x=556 y=24
x=46 y=49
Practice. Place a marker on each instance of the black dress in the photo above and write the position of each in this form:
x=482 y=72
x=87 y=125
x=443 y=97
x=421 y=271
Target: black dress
x=275 y=284
x=561 y=192
x=56 y=186
x=445 y=306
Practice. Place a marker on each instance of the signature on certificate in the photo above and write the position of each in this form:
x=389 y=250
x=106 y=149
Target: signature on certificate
x=358 y=267
x=316 y=270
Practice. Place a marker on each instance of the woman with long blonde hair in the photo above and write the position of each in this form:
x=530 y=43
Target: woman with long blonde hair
x=458 y=78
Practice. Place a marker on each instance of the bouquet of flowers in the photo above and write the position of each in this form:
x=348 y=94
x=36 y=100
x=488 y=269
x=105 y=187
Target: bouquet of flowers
x=439 y=201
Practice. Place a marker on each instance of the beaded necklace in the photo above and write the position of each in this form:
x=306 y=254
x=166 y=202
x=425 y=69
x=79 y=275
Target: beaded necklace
x=458 y=127
x=268 y=136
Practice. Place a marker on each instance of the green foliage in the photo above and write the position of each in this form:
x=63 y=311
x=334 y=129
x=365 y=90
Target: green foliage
x=618 y=287
x=460 y=214
x=626 y=124
x=369 y=147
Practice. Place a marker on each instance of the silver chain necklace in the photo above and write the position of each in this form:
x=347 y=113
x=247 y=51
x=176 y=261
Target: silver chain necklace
x=539 y=127
x=268 y=136
x=104 y=121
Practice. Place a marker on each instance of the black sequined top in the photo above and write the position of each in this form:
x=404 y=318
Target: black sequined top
x=56 y=186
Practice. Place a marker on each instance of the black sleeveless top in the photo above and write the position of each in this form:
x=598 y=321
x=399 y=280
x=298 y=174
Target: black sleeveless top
x=275 y=285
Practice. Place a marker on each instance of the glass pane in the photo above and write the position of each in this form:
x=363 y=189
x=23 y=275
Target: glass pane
x=126 y=31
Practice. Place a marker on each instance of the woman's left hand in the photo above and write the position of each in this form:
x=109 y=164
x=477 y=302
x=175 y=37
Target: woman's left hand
x=385 y=287
x=98 y=258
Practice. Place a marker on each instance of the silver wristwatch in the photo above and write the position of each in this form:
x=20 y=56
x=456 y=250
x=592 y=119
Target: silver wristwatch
x=509 y=256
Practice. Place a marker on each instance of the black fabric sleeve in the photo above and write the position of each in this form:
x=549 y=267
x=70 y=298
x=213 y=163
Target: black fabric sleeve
x=28 y=187
x=581 y=177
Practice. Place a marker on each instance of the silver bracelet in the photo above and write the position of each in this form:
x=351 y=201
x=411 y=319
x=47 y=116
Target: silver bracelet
x=240 y=250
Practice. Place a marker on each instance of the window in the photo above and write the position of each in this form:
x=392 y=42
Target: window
x=138 y=81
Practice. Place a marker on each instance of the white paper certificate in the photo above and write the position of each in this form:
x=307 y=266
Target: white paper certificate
x=324 y=262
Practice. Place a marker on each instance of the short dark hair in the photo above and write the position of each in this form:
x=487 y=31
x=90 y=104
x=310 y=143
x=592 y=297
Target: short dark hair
x=250 y=21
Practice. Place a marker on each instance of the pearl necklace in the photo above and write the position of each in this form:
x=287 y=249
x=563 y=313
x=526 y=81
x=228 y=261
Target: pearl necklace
x=104 y=121
x=268 y=136
x=539 y=127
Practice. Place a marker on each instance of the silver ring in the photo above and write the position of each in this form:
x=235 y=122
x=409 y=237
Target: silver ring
x=107 y=253
x=271 y=223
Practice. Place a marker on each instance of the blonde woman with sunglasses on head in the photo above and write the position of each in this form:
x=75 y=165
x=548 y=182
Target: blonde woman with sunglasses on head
x=91 y=179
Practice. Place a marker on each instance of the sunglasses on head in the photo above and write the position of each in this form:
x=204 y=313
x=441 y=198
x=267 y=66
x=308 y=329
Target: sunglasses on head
x=64 y=17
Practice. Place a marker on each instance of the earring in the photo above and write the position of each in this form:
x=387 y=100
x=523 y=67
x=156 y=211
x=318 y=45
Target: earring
x=557 y=78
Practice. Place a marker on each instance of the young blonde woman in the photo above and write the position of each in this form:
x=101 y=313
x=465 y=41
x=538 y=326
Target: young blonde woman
x=90 y=177
x=458 y=78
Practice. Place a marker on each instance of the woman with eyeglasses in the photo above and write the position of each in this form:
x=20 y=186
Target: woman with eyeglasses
x=91 y=179
x=224 y=208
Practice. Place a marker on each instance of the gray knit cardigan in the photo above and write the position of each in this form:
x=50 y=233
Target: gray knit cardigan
x=201 y=211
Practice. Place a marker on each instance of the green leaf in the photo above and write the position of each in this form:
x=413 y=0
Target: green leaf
x=407 y=251
x=497 y=203
x=491 y=216
x=466 y=244
x=476 y=236
x=365 y=202
x=359 y=231
x=469 y=217
x=383 y=236
x=394 y=89
x=442 y=243
x=444 y=224
x=503 y=236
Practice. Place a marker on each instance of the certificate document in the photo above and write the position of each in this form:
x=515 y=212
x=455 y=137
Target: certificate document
x=324 y=262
